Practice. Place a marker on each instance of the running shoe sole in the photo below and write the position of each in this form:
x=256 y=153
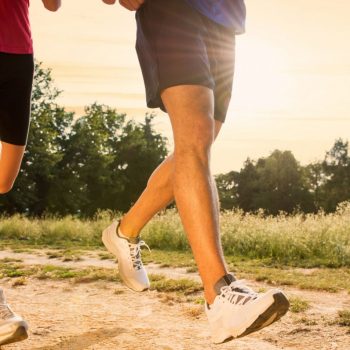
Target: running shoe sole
x=19 y=335
x=279 y=308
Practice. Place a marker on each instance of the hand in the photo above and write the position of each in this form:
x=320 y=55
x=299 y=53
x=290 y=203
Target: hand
x=52 y=5
x=131 y=5
x=109 y=2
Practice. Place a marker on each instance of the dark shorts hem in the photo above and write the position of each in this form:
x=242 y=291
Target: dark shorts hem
x=156 y=101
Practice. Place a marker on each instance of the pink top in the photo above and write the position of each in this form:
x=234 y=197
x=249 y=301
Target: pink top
x=15 y=34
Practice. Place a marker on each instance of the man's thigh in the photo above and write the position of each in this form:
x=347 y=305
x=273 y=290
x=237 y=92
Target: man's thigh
x=191 y=112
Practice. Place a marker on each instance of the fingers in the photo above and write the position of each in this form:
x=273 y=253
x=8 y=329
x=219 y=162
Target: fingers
x=109 y=2
x=131 y=5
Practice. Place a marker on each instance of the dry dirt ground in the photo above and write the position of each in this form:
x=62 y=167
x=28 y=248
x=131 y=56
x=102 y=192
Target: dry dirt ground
x=105 y=316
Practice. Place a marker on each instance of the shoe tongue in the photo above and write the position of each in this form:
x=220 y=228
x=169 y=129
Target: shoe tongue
x=223 y=281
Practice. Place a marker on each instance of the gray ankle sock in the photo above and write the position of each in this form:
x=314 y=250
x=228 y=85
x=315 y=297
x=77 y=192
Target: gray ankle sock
x=226 y=280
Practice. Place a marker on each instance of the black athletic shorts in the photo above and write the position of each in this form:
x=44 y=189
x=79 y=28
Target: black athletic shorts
x=16 y=79
x=176 y=45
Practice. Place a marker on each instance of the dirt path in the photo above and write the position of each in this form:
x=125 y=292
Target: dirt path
x=106 y=316
x=92 y=260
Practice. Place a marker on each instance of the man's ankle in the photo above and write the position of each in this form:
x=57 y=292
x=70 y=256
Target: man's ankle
x=128 y=234
x=211 y=293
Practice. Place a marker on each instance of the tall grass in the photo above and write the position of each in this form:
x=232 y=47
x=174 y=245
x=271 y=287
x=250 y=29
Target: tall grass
x=313 y=239
x=300 y=240
x=51 y=230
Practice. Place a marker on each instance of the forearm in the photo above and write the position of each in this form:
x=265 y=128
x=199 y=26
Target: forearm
x=52 y=5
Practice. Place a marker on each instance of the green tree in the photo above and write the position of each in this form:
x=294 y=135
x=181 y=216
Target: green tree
x=276 y=183
x=107 y=162
x=336 y=167
x=226 y=186
x=315 y=178
x=246 y=186
x=85 y=171
x=282 y=186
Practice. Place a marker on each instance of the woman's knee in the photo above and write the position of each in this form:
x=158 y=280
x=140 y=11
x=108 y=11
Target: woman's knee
x=5 y=187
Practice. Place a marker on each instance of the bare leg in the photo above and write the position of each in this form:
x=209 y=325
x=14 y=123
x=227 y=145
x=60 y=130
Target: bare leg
x=186 y=174
x=191 y=113
x=156 y=196
x=10 y=162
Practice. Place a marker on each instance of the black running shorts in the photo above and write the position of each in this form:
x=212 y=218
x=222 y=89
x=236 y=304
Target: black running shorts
x=176 y=45
x=16 y=79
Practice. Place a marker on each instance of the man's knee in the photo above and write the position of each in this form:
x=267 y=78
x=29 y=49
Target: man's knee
x=198 y=142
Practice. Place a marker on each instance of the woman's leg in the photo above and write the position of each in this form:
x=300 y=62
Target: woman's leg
x=16 y=78
x=10 y=161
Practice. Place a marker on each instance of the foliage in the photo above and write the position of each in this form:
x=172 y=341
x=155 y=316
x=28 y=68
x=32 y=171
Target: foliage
x=107 y=162
x=336 y=167
x=279 y=183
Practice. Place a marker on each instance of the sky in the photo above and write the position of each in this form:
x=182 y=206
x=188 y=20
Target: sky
x=292 y=79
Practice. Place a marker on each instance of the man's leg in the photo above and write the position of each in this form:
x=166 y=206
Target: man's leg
x=232 y=308
x=156 y=196
x=193 y=188
x=191 y=111
x=186 y=176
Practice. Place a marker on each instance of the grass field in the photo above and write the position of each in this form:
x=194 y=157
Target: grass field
x=308 y=256
x=313 y=240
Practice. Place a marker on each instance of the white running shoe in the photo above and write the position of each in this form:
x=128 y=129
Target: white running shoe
x=131 y=269
x=238 y=311
x=12 y=327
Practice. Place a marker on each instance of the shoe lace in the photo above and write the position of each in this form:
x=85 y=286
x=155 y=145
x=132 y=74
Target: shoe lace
x=5 y=311
x=238 y=293
x=135 y=253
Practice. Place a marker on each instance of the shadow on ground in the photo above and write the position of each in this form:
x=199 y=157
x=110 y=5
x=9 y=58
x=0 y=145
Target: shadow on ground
x=84 y=340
